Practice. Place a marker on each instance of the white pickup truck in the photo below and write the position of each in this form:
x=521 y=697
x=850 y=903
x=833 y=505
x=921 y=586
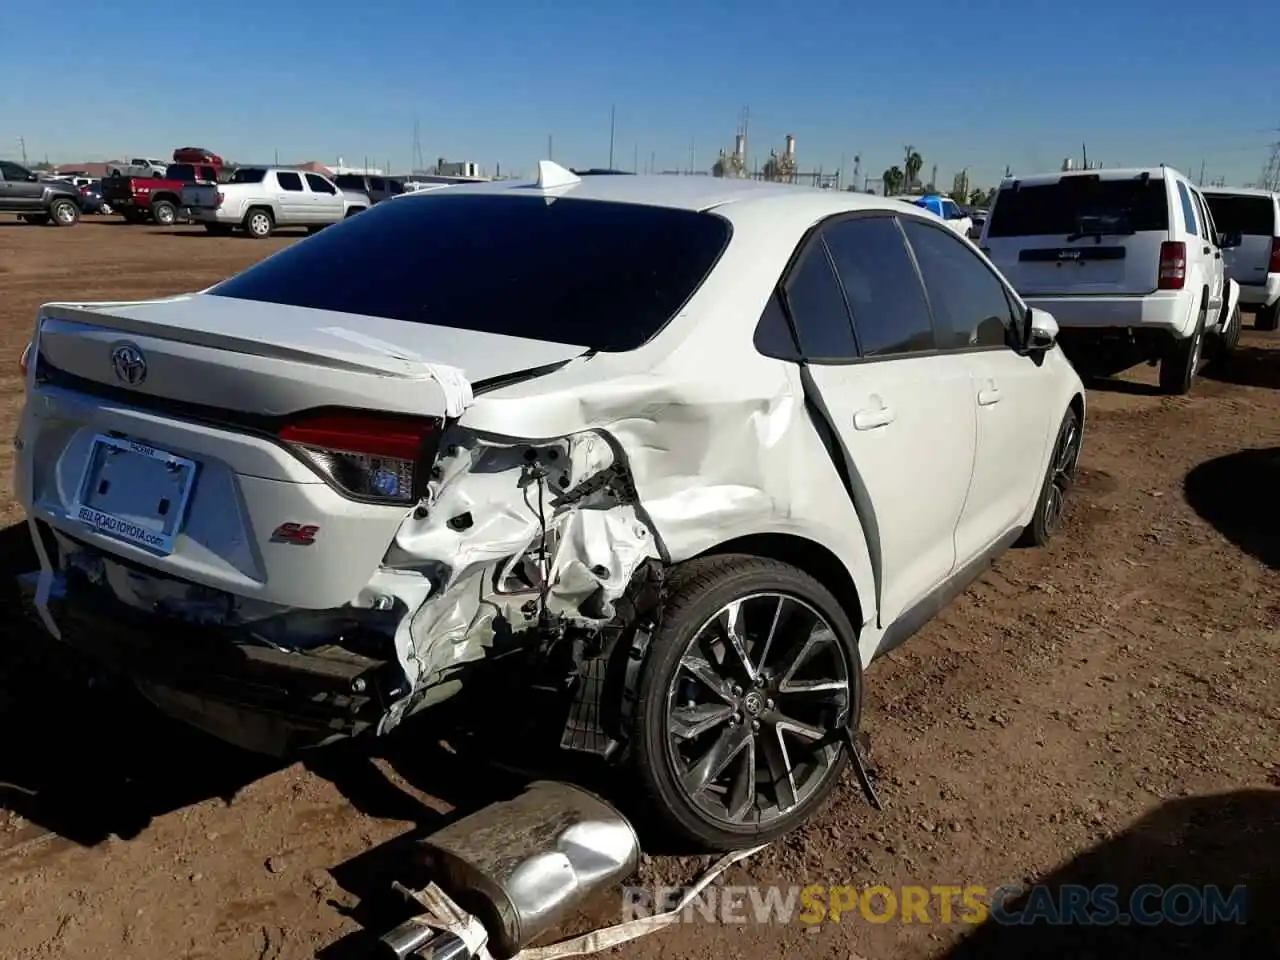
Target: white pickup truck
x=262 y=199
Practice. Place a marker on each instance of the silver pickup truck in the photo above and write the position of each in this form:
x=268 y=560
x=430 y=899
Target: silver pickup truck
x=261 y=200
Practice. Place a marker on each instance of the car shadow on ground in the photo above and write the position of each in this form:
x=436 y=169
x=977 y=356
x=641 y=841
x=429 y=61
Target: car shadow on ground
x=1196 y=851
x=1233 y=494
x=92 y=758
x=85 y=758
x=1112 y=385
x=1248 y=366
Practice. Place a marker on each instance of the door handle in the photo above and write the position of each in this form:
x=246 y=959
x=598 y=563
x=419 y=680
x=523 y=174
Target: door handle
x=874 y=417
x=1205 y=250
x=1218 y=255
x=990 y=395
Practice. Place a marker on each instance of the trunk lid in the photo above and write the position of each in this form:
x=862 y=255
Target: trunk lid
x=1083 y=235
x=272 y=359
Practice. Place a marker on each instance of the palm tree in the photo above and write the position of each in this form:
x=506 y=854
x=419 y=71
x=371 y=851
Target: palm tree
x=892 y=180
x=913 y=165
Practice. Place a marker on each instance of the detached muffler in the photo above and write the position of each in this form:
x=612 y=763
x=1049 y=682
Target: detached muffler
x=517 y=869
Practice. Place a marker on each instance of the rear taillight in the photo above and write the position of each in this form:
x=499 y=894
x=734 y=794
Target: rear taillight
x=368 y=456
x=218 y=201
x=1273 y=265
x=1173 y=265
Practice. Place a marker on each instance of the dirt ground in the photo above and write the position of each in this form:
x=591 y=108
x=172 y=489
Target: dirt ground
x=1102 y=711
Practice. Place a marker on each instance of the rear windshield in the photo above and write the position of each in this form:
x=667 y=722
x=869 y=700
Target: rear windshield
x=1251 y=216
x=1076 y=204
x=606 y=276
x=248 y=175
x=348 y=181
x=180 y=171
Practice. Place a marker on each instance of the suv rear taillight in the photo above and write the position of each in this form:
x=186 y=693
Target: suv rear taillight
x=371 y=457
x=1273 y=265
x=218 y=202
x=1173 y=265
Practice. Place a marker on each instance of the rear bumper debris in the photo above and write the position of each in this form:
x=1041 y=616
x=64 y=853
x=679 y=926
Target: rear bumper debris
x=222 y=679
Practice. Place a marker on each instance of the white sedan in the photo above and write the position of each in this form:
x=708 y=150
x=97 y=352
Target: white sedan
x=738 y=438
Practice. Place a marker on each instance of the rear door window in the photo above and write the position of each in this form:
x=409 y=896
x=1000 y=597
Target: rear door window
x=1080 y=202
x=1188 y=210
x=817 y=308
x=1250 y=216
x=289 y=181
x=890 y=313
x=249 y=175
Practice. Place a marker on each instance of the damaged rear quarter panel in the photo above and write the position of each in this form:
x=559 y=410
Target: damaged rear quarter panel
x=710 y=458
x=713 y=439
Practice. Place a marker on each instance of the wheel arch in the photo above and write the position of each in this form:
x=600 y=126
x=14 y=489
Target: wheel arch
x=804 y=554
x=165 y=196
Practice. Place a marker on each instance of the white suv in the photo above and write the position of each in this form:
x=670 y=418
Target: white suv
x=1252 y=219
x=1127 y=259
x=676 y=456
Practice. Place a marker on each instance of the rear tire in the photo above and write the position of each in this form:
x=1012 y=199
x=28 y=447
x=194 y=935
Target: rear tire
x=698 y=593
x=164 y=213
x=258 y=223
x=1267 y=318
x=64 y=213
x=1179 y=367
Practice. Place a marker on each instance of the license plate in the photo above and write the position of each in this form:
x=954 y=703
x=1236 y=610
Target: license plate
x=134 y=492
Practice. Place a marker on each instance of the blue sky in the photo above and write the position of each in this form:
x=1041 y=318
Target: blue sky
x=977 y=85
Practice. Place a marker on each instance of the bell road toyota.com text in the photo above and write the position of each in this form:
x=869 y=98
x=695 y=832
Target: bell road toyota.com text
x=1066 y=905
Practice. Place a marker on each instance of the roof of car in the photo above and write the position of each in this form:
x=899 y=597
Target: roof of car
x=1109 y=173
x=684 y=192
x=1239 y=191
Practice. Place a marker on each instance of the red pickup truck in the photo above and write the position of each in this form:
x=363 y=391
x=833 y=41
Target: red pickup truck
x=158 y=199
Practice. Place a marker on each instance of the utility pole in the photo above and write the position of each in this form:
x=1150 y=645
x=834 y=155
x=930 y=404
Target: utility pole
x=653 y=161
x=550 y=154
x=22 y=144
x=635 y=159
x=1200 y=182
x=612 y=114
x=933 y=177
x=906 y=165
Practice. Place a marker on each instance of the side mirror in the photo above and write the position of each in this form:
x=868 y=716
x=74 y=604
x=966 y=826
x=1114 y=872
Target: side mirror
x=33 y=177
x=1230 y=240
x=1042 y=331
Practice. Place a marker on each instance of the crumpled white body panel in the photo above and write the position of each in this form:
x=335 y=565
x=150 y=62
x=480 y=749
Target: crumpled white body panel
x=705 y=467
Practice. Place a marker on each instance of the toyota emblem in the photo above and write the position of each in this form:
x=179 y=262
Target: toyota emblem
x=129 y=364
